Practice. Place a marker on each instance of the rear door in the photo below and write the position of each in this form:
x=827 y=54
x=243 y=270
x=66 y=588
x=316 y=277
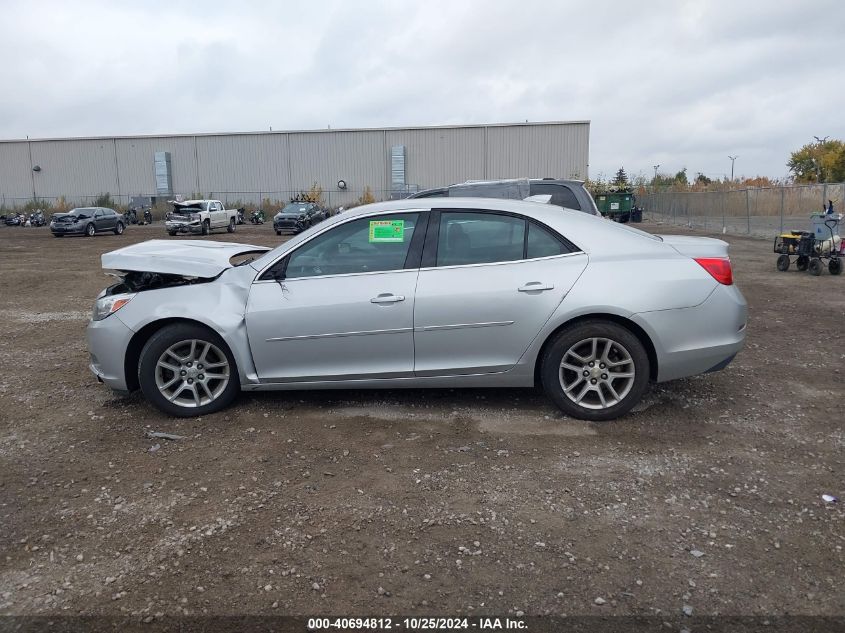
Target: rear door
x=489 y=281
x=109 y=219
x=101 y=221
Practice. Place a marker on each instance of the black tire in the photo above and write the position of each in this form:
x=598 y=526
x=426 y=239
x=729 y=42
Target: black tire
x=783 y=263
x=278 y=232
x=834 y=266
x=90 y=230
x=815 y=267
x=802 y=262
x=231 y=227
x=206 y=227
x=172 y=233
x=118 y=230
x=58 y=235
x=156 y=346
x=573 y=336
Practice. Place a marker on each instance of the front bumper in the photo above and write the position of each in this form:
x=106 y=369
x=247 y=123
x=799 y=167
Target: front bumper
x=108 y=340
x=183 y=227
x=697 y=340
x=67 y=229
x=289 y=225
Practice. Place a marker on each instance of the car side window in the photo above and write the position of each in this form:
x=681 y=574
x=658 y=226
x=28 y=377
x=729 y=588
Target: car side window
x=562 y=195
x=372 y=244
x=479 y=238
x=98 y=214
x=542 y=243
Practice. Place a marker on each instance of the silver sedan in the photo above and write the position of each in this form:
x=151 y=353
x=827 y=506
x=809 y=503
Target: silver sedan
x=456 y=292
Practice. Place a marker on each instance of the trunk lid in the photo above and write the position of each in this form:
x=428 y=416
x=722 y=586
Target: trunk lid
x=696 y=247
x=194 y=258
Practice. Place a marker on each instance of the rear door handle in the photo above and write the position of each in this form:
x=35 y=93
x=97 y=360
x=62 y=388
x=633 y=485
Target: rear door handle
x=387 y=298
x=535 y=286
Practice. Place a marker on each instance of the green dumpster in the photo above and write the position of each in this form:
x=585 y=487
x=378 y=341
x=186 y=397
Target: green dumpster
x=616 y=206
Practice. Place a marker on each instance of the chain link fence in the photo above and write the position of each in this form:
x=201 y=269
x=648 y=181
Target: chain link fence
x=760 y=212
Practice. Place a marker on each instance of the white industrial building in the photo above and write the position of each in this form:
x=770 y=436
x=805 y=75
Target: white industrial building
x=248 y=167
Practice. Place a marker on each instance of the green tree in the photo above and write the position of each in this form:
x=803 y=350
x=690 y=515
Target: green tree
x=621 y=178
x=681 y=177
x=820 y=161
x=701 y=179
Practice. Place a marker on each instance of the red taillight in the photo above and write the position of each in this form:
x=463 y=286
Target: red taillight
x=718 y=267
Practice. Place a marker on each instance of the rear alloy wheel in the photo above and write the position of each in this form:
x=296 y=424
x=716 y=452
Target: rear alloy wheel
x=187 y=370
x=595 y=370
x=802 y=262
x=90 y=230
x=231 y=227
x=815 y=267
x=834 y=266
x=783 y=263
x=118 y=230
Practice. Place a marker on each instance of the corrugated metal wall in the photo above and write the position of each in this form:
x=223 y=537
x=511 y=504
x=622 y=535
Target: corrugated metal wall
x=249 y=166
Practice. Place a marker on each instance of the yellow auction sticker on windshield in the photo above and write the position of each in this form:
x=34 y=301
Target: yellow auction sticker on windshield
x=387 y=230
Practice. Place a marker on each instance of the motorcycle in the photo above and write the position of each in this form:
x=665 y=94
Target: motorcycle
x=132 y=216
x=37 y=219
x=240 y=219
x=148 y=216
x=257 y=217
x=16 y=219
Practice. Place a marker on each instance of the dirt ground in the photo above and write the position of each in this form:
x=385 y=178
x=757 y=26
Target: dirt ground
x=419 y=502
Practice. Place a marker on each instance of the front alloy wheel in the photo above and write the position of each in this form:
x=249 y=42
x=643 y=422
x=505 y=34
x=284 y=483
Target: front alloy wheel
x=187 y=370
x=595 y=370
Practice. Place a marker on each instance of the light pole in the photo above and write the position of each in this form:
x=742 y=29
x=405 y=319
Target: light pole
x=733 y=158
x=655 y=172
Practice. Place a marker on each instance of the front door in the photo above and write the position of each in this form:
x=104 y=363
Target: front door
x=340 y=306
x=492 y=283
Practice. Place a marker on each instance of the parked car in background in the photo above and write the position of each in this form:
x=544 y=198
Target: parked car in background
x=200 y=217
x=298 y=216
x=570 y=194
x=87 y=221
x=450 y=292
x=15 y=219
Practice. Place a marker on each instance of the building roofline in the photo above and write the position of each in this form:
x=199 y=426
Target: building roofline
x=314 y=131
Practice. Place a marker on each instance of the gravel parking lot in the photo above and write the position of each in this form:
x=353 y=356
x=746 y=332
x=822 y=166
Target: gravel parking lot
x=707 y=499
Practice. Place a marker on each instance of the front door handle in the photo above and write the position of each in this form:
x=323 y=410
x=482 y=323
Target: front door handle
x=535 y=286
x=387 y=298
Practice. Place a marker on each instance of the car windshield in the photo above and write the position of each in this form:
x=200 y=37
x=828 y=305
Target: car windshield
x=81 y=213
x=295 y=208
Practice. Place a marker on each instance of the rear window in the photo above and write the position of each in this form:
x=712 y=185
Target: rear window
x=562 y=195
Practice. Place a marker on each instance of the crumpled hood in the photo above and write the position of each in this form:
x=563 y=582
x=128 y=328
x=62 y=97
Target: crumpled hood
x=193 y=258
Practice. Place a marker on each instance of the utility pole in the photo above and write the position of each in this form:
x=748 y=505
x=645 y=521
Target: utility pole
x=655 y=172
x=733 y=158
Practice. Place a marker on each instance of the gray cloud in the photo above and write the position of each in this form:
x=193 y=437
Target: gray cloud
x=682 y=84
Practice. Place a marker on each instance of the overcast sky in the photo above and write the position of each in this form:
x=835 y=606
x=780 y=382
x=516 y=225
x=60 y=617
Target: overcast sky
x=680 y=84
